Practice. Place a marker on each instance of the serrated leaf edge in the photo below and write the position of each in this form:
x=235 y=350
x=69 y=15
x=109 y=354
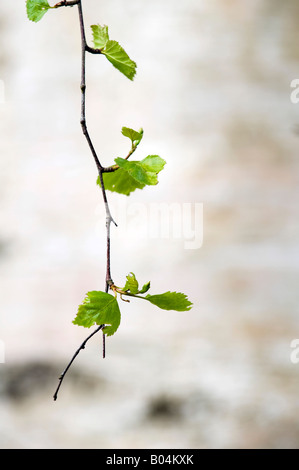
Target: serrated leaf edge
x=42 y=10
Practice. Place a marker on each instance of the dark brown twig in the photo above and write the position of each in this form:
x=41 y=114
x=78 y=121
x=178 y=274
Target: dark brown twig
x=66 y=4
x=73 y=358
x=85 y=48
x=104 y=345
x=92 y=50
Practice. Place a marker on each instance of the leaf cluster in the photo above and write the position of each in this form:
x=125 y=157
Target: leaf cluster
x=124 y=177
x=112 y=50
x=102 y=308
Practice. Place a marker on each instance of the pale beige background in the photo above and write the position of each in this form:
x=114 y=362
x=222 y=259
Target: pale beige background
x=212 y=93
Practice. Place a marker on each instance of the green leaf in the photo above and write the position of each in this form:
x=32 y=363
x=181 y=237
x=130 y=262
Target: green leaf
x=133 y=174
x=100 y=308
x=100 y=35
x=120 y=59
x=131 y=284
x=120 y=182
x=133 y=135
x=113 y=51
x=145 y=171
x=170 y=301
x=36 y=9
x=136 y=170
x=153 y=163
x=145 y=288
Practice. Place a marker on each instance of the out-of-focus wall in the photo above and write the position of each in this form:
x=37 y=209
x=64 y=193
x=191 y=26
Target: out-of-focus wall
x=213 y=95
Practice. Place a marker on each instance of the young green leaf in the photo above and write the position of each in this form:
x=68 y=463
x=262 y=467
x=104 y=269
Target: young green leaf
x=170 y=301
x=100 y=308
x=100 y=35
x=167 y=301
x=120 y=59
x=145 y=171
x=133 y=135
x=133 y=174
x=136 y=170
x=113 y=51
x=131 y=284
x=153 y=163
x=120 y=182
x=145 y=288
x=36 y=9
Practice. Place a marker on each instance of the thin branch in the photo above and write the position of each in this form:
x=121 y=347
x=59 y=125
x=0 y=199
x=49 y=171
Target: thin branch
x=73 y=358
x=134 y=147
x=85 y=48
x=109 y=219
x=123 y=292
x=104 y=346
x=83 y=89
x=92 y=50
x=110 y=169
x=66 y=4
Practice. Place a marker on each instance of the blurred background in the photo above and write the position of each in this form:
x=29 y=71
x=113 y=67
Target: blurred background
x=212 y=92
